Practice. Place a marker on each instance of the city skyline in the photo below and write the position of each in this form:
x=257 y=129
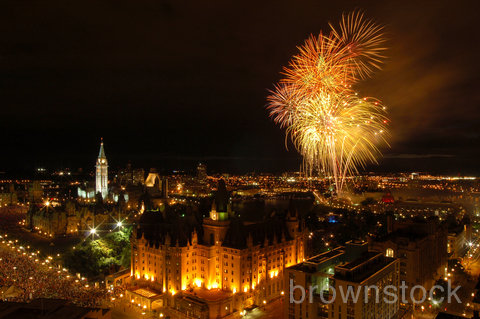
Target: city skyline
x=173 y=84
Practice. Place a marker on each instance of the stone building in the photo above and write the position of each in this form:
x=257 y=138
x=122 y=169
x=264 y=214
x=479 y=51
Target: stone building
x=215 y=266
x=71 y=218
x=8 y=197
x=101 y=173
x=52 y=221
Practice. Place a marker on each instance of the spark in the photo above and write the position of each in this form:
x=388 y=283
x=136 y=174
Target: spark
x=333 y=128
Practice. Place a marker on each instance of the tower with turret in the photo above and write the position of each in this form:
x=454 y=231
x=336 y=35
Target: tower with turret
x=101 y=173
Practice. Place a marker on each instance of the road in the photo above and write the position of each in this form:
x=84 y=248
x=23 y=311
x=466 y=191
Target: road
x=467 y=280
x=273 y=309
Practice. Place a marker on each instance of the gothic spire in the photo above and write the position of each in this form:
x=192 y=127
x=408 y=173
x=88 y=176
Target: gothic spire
x=101 y=154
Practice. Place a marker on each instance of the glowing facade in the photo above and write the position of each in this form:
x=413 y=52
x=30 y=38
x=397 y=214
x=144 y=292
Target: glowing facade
x=216 y=259
x=101 y=173
x=202 y=173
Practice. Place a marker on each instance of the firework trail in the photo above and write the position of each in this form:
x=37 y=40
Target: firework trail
x=332 y=128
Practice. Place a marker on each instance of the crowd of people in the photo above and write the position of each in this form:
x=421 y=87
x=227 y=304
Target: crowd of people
x=38 y=278
x=12 y=216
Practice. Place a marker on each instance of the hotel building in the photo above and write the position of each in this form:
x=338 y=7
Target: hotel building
x=212 y=267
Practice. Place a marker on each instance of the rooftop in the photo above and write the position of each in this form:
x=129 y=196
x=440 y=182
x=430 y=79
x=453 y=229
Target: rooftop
x=145 y=292
x=310 y=265
x=359 y=276
x=210 y=295
x=360 y=260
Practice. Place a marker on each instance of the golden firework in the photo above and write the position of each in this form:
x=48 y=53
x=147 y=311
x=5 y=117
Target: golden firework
x=330 y=125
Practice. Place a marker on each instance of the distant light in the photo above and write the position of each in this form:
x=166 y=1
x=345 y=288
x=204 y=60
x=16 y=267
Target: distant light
x=93 y=231
x=119 y=224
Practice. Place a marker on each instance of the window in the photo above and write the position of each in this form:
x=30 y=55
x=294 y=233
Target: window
x=389 y=252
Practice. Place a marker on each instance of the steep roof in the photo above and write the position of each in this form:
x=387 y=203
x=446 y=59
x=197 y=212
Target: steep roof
x=155 y=229
x=238 y=232
x=101 y=154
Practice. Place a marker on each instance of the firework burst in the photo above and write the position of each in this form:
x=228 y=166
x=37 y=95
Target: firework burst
x=334 y=129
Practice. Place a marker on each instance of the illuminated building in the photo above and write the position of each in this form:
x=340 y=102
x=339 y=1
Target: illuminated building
x=128 y=176
x=101 y=173
x=350 y=266
x=86 y=192
x=202 y=173
x=125 y=175
x=459 y=236
x=53 y=221
x=35 y=192
x=219 y=263
x=421 y=246
x=8 y=198
x=156 y=185
x=138 y=176
x=415 y=207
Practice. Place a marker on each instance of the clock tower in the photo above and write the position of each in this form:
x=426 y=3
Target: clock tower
x=101 y=174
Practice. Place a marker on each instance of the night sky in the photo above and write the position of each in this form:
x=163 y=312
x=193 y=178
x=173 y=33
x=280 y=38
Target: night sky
x=173 y=83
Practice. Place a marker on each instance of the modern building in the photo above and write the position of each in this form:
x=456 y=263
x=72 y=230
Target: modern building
x=125 y=175
x=215 y=266
x=157 y=188
x=372 y=272
x=413 y=207
x=101 y=173
x=459 y=236
x=128 y=176
x=318 y=287
x=421 y=246
x=202 y=173
x=138 y=176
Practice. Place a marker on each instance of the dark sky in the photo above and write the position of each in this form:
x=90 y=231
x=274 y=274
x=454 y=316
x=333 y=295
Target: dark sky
x=172 y=83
